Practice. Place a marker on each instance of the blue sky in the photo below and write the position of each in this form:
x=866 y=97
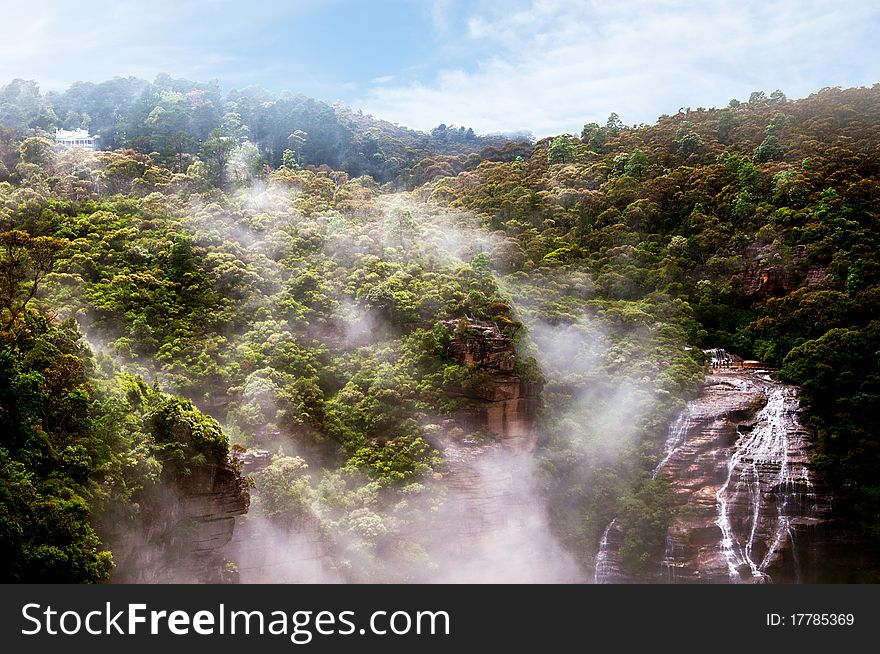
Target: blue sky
x=547 y=66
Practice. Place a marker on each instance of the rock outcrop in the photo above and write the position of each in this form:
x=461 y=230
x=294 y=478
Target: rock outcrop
x=179 y=537
x=743 y=485
x=502 y=403
x=774 y=274
x=749 y=506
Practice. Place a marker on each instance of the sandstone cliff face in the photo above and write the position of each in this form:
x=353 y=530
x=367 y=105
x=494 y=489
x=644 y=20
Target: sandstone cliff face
x=749 y=506
x=767 y=282
x=743 y=484
x=180 y=538
x=770 y=274
x=503 y=403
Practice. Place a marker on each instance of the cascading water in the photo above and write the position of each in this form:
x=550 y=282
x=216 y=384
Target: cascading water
x=737 y=460
x=668 y=563
x=677 y=434
x=603 y=556
x=768 y=486
x=605 y=566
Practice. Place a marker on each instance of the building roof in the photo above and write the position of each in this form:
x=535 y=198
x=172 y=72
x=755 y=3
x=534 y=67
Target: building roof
x=68 y=134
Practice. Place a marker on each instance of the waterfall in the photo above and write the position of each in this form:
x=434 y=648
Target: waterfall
x=768 y=482
x=677 y=434
x=668 y=563
x=742 y=483
x=602 y=573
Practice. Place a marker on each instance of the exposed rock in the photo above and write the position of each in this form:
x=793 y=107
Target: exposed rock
x=766 y=282
x=297 y=552
x=816 y=277
x=493 y=526
x=179 y=537
x=608 y=568
x=750 y=508
x=743 y=484
x=770 y=273
x=503 y=403
x=252 y=460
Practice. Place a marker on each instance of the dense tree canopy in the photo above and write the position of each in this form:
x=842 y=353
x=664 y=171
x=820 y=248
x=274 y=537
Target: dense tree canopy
x=244 y=252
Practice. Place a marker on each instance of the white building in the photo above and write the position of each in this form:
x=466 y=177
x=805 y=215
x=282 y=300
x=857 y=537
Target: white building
x=75 y=138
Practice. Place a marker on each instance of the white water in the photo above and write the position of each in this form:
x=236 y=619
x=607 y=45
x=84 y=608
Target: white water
x=668 y=563
x=759 y=466
x=678 y=432
x=603 y=563
x=766 y=487
x=676 y=437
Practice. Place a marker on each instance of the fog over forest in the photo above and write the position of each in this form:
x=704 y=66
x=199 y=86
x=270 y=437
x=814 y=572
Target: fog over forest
x=252 y=337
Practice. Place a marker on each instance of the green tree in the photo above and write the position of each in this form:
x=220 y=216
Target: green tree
x=216 y=152
x=769 y=150
x=636 y=165
x=37 y=151
x=561 y=150
x=614 y=125
x=297 y=141
x=24 y=263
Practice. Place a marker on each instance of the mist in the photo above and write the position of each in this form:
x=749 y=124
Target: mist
x=485 y=516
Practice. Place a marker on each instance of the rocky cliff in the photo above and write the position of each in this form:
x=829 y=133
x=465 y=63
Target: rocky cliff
x=502 y=403
x=178 y=537
x=771 y=272
x=749 y=505
x=744 y=486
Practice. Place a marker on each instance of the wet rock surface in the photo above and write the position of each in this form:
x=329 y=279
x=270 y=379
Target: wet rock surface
x=749 y=507
x=743 y=484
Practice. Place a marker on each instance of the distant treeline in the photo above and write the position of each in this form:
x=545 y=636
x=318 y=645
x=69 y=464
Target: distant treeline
x=180 y=120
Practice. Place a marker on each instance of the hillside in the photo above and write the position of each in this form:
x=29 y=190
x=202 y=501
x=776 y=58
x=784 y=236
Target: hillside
x=178 y=120
x=376 y=309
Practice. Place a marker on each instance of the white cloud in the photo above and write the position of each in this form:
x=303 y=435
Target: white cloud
x=543 y=65
x=57 y=42
x=556 y=64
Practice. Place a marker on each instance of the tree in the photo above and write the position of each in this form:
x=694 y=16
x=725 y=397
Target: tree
x=777 y=97
x=440 y=132
x=24 y=263
x=233 y=126
x=216 y=152
x=285 y=490
x=180 y=143
x=757 y=97
x=22 y=106
x=37 y=151
x=636 y=165
x=561 y=150
x=594 y=136
x=297 y=141
x=614 y=124
x=690 y=143
x=769 y=150
x=725 y=125
x=288 y=160
x=777 y=123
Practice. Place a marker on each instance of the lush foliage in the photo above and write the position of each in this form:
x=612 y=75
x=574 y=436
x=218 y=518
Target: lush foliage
x=182 y=122
x=82 y=454
x=239 y=251
x=759 y=221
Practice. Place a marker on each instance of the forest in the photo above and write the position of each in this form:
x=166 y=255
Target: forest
x=261 y=272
